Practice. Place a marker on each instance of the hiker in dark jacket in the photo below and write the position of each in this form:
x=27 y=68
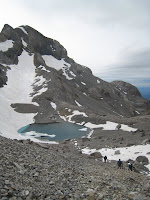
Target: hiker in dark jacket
x=130 y=166
x=119 y=163
x=105 y=158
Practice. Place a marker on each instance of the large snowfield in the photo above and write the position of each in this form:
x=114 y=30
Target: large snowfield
x=17 y=90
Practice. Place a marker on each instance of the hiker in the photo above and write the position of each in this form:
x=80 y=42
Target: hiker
x=119 y=163
x=130 y=166
x=105 y=158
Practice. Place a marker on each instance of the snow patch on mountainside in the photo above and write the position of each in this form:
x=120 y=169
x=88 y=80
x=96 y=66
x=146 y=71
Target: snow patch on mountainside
x=83 y=83
x=66 y=73
x=73 y=113
x=23 y=29
x=43 y=68
x=78 y=103
x=59 y=65
x=127 y=128
x=4 y=46
x=126 y=153
x=72 y=74
x=41 y=82
x=53 y=105
x=84 y=93
x=17 y=90
x=54 y=63
x=24 y=43
x=110 y=126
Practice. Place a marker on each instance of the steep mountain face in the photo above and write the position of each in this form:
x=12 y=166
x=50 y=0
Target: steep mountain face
x=133 y=96
x=40 y=83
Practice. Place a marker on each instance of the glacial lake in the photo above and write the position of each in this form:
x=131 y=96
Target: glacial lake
x=54 y=132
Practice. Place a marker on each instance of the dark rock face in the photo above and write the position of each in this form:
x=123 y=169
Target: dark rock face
x=3 y=77
x=41 y=44
x=132 y=94
x=10 y=56
x=71 y=84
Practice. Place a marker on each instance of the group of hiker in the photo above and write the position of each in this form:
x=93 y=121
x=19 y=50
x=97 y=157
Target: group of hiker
x=120 y=164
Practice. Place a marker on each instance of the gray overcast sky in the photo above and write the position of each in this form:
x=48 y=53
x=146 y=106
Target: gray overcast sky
x=112 y=37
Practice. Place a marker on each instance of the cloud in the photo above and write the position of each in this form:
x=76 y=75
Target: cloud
x=111 y=37
x=134 y=67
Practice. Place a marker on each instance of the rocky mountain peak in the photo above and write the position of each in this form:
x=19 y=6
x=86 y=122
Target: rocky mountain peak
x=37 y=43
x=127 y=88
x=8 y=32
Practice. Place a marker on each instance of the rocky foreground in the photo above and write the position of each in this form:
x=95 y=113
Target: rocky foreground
x=31 y=171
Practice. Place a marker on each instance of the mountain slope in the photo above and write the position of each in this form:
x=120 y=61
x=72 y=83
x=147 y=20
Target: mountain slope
x=40 y=83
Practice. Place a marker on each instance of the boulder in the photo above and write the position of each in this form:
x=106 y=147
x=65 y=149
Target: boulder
x=45 y=146
x=90 y=194
x=118 y=126
x=96 y=155
x=85 y=139
x=135 y=196
x=100 y=196
x=143 y=160
x=138 y=168
x=117 y=152
x=118 y=185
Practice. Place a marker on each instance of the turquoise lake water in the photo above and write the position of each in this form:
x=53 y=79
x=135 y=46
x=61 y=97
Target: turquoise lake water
x=54 y=132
